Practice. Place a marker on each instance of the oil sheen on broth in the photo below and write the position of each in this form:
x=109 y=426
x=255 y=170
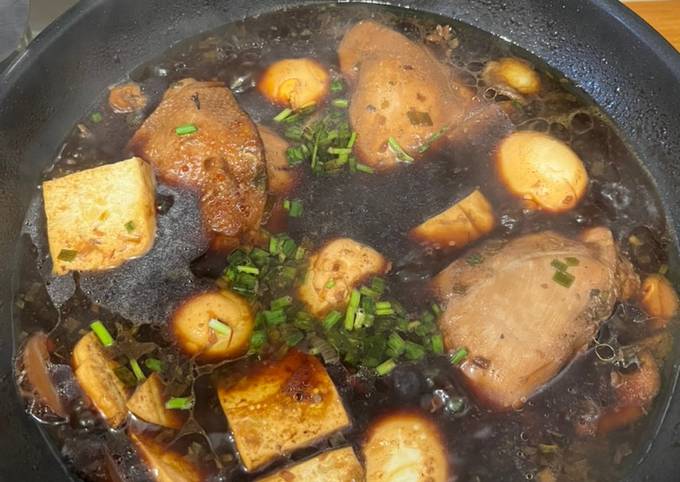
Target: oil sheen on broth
x=557 y=434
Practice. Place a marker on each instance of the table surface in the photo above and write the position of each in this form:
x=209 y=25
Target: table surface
x=664 y=16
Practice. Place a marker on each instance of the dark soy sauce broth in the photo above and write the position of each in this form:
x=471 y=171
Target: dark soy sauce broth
x=375 y=209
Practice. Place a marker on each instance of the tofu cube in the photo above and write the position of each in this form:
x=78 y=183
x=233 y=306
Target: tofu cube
x=101 y=217
x=339 y=465
x=279 y=406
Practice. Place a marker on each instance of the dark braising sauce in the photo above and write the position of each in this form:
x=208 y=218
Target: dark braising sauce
x=378 y=210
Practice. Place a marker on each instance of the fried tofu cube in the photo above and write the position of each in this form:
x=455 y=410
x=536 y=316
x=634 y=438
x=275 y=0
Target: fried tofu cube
x=101 y=217
x=340 y=465
x=95 y=372
x=164 y=464
x=148 y=404
x=405 y=447
x=279 y=406
x=334 y=270
x=464 y=222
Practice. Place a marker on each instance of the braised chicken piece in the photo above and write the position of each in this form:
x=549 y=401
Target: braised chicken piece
x=524 y=309
x=403 y=96
x=199 y=138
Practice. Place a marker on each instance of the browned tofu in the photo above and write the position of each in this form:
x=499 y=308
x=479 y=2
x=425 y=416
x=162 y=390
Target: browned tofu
x=281 y=176
x=148 y=404
x=191 y=325
x=334 y=270
x=405 y=447
x=94 y=371
x=340 y=465
x=464 y=222
x=165 y=465
x=279 y=406
x=101 y=217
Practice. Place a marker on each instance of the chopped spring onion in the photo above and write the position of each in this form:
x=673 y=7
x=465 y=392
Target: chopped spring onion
x=96 y=117
x=300 y=253
x=102 y=333
x=436 y=309
x=396 y=149
x=294 y=338
x=438 y=344
x=248 y=269
x=337 y=86
x=458 y=356
x=130 y=226
x=368 y=292
x=559 y=265
x=274 y=317
x=220 y=327
x=563 y=278
x=352 y=140
x=180 y=403
x=359 y=318
x=67 y=255
x=137 y=370
x=258 y=339
x=571 y=261
x=414 y=351
x=364 y=168
x=384 y=308
x=329 y=284
x=186 y=129
x=433 y=137
x=378 y=285
x=294 y=207
x=339 y=150
x=126 y=376
x=385 y=367
x=331 y=319
x=548 y=448
x=352 y=306
x=282 y=302
x=663 y=269
x=340 y=103
x=474 y=259
x=153 y=364
x=281 y=116
x=396 y=344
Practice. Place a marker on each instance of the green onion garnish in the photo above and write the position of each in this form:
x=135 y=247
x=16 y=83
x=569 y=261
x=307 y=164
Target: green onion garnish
x=274 y=317
x=294 y=207
x=474 y=259
x=437 y=344
x=436 y=309
x=248 y=269
x=364 y=168
x=185 y=129
x=96 y=117
x=432 y=138
x=137 y=370
x=458 y=356
x=337 y=86
x=153 y=364
x=258 y=339
x=559 y=265
x=378 y=285
x=385 y=367
x=340 y=103
x=220 y=327
x=571 y=261
x=102 y=333
x=331 y=319
x=396 y=344
x=329 y=284
x=281 y=116
x=352 y=140
x=180 y=403
x=280 y=303
x=294 y=338
x=130 y=226
x=563 y=278
x=67 y=255
x=401 y=155
x=352 y=306
x=414 y=351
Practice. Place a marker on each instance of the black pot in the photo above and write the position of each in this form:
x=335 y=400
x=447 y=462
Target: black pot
x=631 y=72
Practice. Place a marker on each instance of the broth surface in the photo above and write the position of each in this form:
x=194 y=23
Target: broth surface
x=378 y=210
